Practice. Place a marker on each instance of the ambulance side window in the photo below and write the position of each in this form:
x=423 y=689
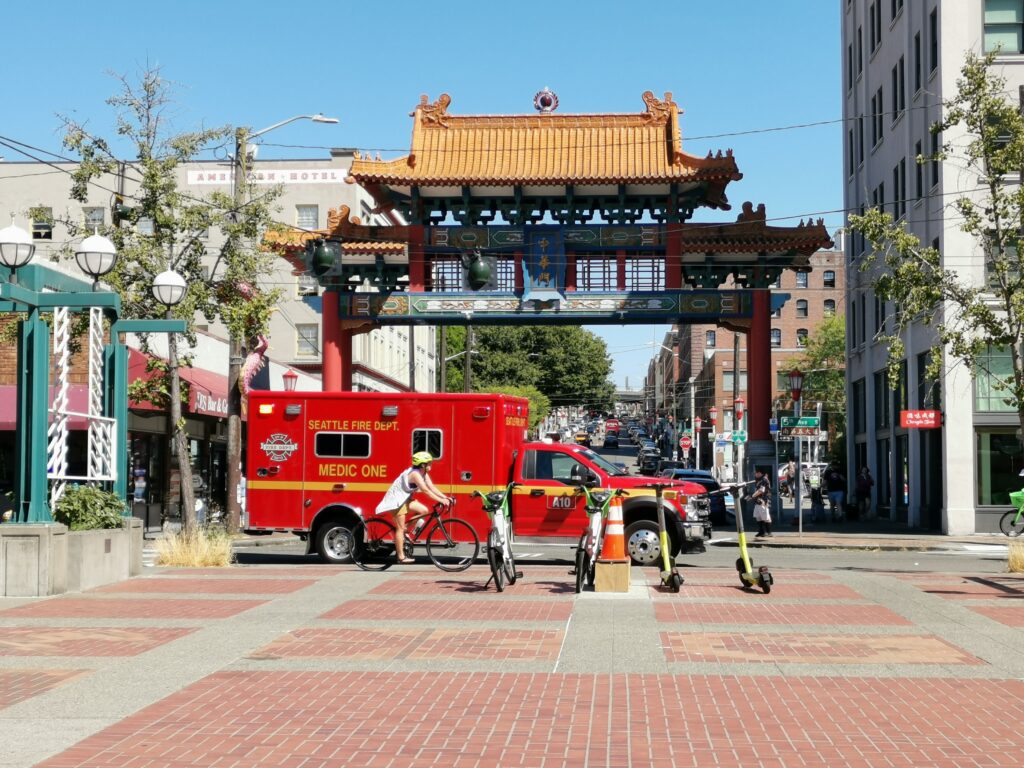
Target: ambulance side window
x=428 y=440
x=546 y=465
x=343 y=445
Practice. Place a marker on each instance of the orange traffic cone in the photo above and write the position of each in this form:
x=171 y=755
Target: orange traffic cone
x=614 y=548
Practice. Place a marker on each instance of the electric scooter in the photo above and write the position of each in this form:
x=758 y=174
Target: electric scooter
x=670 y=576
x=763 y=577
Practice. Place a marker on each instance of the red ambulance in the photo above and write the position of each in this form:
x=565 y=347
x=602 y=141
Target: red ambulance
x=317 y=462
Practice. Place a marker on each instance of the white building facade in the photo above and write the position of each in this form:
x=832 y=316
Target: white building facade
x=901 y=59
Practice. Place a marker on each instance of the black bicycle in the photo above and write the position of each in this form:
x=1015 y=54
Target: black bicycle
x=452 y=544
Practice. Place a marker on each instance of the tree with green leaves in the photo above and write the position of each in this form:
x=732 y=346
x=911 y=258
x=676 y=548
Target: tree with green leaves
x=973 y=311
x=566 y=364
x=824 y=365
x=161 y=226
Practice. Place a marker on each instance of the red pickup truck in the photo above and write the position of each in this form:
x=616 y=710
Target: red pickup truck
x=317 y=462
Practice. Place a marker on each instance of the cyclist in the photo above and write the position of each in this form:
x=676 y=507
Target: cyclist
x=399 y=500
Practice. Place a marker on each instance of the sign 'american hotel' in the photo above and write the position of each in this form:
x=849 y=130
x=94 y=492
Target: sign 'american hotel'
x=277 y=176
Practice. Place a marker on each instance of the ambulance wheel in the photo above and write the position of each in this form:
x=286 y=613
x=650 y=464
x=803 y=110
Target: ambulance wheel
x=334 y=542
x=643 y=543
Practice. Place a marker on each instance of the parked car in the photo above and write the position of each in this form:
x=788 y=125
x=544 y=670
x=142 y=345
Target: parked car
x=722 y=512
x=647 y=462
x=611 y=439
x=666 y=464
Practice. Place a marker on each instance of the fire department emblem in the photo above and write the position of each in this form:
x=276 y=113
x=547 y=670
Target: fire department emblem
x=279 y=447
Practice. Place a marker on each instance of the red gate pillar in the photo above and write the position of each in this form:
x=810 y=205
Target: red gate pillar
x=336 y=355
x=760 y=376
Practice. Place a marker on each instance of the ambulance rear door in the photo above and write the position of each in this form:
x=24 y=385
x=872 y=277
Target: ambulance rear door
x=275 y=461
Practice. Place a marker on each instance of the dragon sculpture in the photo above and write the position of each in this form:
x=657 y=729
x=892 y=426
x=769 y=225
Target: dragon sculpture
x=252 y=364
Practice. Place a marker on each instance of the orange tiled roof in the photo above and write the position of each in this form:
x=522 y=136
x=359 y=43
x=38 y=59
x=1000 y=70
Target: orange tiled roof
x=751 y=234
x=291 y=243
x=546 y=149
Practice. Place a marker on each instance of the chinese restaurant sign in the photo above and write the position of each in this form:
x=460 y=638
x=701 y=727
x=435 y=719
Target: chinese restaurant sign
x=929 y=419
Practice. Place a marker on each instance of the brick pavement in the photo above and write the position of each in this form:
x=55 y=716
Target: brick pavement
x=414 y=667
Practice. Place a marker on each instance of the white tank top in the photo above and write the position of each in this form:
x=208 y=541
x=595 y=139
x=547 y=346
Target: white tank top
x=398 y=494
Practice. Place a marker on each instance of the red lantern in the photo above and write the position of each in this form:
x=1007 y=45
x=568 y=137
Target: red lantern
x=738 y=406
x=796 y=383
x=696 y=423
x=713 y=415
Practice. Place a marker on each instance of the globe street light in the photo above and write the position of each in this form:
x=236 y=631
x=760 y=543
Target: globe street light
x=169 y=288
x=16 y=248
x=96 y=256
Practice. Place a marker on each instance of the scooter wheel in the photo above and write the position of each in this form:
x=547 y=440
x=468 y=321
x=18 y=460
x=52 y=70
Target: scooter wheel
x=676 y=582
x=739 y=564
x=765 y=582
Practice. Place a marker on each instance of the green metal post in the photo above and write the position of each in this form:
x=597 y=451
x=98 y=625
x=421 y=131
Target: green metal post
x=116 y=406
x=37 y=377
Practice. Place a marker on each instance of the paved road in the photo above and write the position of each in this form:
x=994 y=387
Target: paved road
x=855 y=658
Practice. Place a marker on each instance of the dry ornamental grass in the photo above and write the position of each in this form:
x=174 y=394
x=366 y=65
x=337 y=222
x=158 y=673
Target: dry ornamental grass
x=1016 y=557
x=200 y=548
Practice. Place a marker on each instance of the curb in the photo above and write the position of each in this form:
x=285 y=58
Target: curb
x=850 y=545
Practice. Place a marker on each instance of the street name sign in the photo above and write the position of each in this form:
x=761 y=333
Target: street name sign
x=803 y=421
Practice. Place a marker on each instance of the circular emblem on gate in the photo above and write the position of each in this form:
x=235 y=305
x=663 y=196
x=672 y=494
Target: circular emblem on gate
x=279 y=447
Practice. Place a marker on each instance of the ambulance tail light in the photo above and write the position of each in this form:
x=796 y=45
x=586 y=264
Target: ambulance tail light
x=481 y=412
x=266 y=409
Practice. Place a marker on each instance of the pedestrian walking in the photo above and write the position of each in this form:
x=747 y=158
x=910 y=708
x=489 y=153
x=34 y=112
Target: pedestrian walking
x=864 y=483
x=835 y=487
x=762 y=495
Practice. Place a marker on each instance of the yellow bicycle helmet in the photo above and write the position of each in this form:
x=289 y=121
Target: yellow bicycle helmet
x=421 y=457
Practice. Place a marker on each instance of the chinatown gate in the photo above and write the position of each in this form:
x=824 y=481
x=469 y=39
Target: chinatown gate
x=551 y=218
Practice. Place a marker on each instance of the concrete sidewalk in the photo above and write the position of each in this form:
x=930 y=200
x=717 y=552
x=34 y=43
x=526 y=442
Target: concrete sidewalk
x=317 y=666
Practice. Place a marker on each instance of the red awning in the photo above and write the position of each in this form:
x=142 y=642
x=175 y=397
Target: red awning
x=208 y=391
x=78 y=400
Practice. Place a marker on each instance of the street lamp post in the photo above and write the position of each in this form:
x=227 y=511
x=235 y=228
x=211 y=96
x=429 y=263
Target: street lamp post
x=739 y=410
x=242 y=137
x=796 y=385
x=713 y=418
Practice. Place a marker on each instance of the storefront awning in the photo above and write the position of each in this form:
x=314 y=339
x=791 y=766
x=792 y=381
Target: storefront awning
x=208 y=391
x=78 y=401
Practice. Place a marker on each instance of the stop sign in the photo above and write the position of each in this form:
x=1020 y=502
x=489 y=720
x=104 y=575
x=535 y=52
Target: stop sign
x=685 y=442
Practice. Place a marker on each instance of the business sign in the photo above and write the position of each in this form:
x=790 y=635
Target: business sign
x=225 y=176
x=927 y=419
x=806 y=431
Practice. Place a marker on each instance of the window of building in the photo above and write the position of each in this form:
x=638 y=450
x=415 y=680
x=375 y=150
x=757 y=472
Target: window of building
x=878 y=197
x=801 y=279
x=871 y=27
x=877 y=116
x=93 y=219
x=918 y=172
x=853 y=323
x=428 y=440
x=342 y=445
x=828 y=278
x=729 y=381
x=897 y=6
x=898 y=95
x=777 y=312
x=42 y=227
x=849 y=66
x=1004 y=26
x=998 y=459
x=879 y=315
x=917 y=62
x=829 y=308
x=801 y=308
x=860 y=139
x=902 y=84
x=883 y=395
x=801 y=337
x=933 y=30
x=709 y=339
x=863 y=317
x=859 y=406
x=994 y=369
x=307 y=286
x=929 y=393
x=307 y=340
x=776 y=337
x=860 y=50
x=144 y=226
x=307 y=217
x=936 y=143
x=850 y=156
x=875 y=25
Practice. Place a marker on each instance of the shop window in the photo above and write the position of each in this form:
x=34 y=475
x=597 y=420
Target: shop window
x=998 y=459
x=431 y=440
x=342 y=445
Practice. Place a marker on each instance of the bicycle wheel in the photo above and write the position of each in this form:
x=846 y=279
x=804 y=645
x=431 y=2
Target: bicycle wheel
x=581 y=562
x=373 y=544
x=508 y=562
x=494 y=559
x=452 y=544
x=1012 y=523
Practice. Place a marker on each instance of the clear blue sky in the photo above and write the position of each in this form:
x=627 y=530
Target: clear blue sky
x=732 y=66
